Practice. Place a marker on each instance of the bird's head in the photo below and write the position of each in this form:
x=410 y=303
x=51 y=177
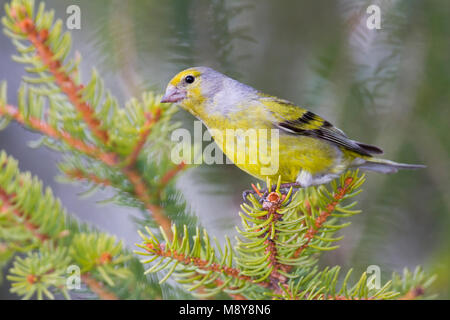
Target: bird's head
x=188 y=86
x=201 y=87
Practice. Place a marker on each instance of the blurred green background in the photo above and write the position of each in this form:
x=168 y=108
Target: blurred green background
x=389 y=87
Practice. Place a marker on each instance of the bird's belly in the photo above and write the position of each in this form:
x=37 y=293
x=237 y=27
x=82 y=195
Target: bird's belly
x=273 y=155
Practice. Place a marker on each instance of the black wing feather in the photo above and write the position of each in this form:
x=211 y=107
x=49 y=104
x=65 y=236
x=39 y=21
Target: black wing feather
x=327 y=132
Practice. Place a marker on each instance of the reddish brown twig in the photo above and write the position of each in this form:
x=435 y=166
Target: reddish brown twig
x=80 y=175
x=234 y=296
x=171 y=174
x=98 y=288
x=160 y=250
x=414 y=293
x=257 y=191
x=320 y=220
x=272 y=203
x=145 y=132
x=141 y=192
x=7 y=204
x=44 y=128
x=64 y=81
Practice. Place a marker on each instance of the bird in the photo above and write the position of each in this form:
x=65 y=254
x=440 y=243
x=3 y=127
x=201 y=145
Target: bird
x=310 y=150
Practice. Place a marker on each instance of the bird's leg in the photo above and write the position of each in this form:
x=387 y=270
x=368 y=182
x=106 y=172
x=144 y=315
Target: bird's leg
x=287 y=186
x=252 y=191
x=284 y=188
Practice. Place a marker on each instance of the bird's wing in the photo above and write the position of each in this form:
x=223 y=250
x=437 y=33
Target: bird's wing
x=296 y=120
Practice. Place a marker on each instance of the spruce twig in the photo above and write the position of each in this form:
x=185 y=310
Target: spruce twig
x=74 y=92
x=9 y=204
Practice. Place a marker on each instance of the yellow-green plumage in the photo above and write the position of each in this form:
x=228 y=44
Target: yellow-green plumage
x=310 y=149
x=295 y=152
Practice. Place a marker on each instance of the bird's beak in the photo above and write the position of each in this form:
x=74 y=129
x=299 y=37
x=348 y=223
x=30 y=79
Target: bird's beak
x=173 y=94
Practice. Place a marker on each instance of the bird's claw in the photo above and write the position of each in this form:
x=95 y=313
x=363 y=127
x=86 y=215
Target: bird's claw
x=246 y=193
x=284 y=189
x=254 y=191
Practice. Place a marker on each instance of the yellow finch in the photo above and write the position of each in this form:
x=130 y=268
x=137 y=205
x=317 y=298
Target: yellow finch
x=310 y=150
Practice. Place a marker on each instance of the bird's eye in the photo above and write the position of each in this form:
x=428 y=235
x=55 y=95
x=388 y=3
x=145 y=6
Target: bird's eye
x=189 y=79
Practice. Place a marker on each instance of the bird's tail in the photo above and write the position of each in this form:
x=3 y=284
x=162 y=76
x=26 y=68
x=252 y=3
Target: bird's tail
x=386 y=166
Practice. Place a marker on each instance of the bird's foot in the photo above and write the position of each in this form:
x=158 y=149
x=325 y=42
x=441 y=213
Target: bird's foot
x=253 y=191
x=284 y=189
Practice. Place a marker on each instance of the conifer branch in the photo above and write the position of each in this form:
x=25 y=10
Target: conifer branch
x=78 y=174
x=170 y=174
x=45 y=42
x=414 y=293
x=201 y=264
x=67 y=84
x=6 y=205
x=320 y=220
x=27 y=214
x=141 y=192
x=198 y=267
x=58 y=134
x=272 y=203
x=97 y=287
x=146 y=129
x=108 y=158
x=282 y=238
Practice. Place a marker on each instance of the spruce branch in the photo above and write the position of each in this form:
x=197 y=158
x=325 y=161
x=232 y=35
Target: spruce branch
x=413 y=285
x=109 y=159
x=77 y=174
x=7 y=206
x=279 y=230
x=171 y=173
x=114 y=144
x=39 y=224
x=34 y=222
x=329 y=209
x=32 y=219
x=97 y=287
x=39 y=273
x=198 y=266
x=22 y=21
x=282 y=236
x=145 y=132
x=58 y=134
